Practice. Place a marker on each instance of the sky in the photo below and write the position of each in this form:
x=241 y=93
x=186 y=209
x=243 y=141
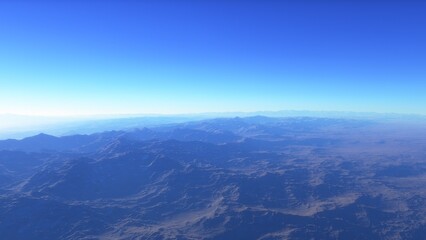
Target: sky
x=131 y=57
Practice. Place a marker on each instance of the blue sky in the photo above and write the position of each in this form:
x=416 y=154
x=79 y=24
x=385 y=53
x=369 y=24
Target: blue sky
x=117 y=57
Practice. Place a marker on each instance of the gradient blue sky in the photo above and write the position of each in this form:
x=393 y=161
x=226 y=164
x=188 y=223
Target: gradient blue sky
x=109 y=57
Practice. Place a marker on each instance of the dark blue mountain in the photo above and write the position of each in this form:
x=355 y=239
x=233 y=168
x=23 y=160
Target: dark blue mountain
x=239 y=178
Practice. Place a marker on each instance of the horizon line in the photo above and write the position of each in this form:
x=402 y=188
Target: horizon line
x=125 y=115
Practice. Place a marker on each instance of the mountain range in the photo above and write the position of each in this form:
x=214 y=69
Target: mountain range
x=225 y=178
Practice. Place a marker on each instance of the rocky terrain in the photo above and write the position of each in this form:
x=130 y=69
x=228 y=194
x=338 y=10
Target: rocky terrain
x=230 y=178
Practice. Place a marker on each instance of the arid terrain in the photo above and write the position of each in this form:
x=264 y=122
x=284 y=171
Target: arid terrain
x=228 y=178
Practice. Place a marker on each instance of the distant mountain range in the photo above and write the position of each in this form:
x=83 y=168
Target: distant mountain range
x=224 y=178
x=20 y=126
